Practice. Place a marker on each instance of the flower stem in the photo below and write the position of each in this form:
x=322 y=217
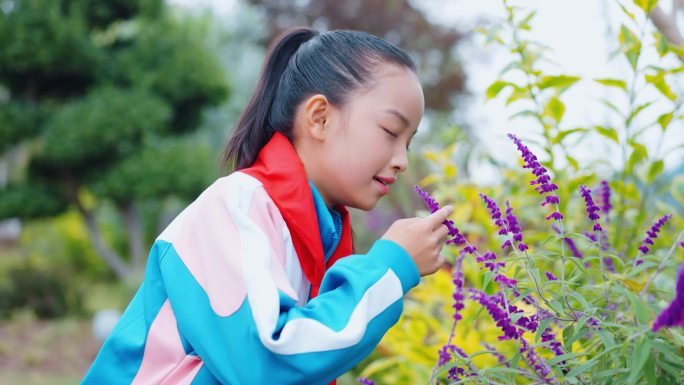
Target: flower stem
x=663 y=264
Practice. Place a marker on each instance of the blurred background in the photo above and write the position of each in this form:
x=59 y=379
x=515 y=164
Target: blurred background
x=113 y=114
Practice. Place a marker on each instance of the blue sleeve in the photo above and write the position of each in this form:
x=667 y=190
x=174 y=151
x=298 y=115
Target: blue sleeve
x=359 y=300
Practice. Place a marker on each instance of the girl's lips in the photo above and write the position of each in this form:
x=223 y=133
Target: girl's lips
x=388 y=180
x=383 y=183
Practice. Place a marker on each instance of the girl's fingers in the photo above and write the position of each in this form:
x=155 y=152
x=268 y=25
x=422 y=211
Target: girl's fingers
x=436 y=219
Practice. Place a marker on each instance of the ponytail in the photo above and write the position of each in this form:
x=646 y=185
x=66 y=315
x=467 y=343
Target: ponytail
x=253 y=130
x=303 y=62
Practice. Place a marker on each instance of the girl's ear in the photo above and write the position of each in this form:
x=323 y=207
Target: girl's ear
x=317 y=110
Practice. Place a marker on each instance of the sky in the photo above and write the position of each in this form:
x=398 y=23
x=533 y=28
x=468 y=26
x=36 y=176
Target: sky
x=581 y=33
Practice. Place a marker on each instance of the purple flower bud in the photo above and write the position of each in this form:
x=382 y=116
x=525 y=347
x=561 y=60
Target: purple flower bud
x=503 y=279
x=499 y=315
x=455 y=373
x=536 y=362
x=551 y=199
x=592 y=209
x=458 y=288
x=652 y=234
x=444 y=355
x=604 y=194
x=552 y=343
x=550 y=276
x=673 y=314
x=433 y=205
x=514 y=227
x=555 y=215
x=364 y=381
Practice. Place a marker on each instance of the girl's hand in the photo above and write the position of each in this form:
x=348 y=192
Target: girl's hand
x=422 y=238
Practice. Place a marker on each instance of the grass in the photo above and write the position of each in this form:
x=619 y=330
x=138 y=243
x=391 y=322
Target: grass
x=34 y=351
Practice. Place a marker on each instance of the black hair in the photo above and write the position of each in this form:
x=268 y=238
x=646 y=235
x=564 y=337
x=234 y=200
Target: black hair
x=303 y=62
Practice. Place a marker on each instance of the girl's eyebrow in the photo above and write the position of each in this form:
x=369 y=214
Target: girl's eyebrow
x=399 y=115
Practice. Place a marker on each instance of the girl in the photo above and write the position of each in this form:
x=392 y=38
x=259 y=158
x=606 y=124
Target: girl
x=253 y=283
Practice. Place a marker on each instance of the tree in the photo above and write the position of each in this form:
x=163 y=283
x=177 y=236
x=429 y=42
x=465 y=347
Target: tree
x=106 y=98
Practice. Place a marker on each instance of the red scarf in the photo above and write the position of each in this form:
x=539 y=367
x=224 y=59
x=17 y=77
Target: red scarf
x=280 y=170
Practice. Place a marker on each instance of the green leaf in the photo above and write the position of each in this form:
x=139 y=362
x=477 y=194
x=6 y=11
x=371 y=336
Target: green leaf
x=606 y=337
x=525 y=23
x=612 y=107
x=560 y=82
x=642 y=350
x=542 y=326
x=641 y=312
x=658 y=81
x=555 y=109
x=630 y=45
x=650 y=371
x=567 y=334
x=637 y=111
x=661 y=44
x=665 y=119
x=608 y=132
x=637 y=156
x=626 y=12
x=655 y=170
x=582 y=368
x=573 y=162
x=517 y=94
x=523 y=113
x=509 y=67
x=496 y=87
x=613 y=83
x=646 y=5
x=564 y=133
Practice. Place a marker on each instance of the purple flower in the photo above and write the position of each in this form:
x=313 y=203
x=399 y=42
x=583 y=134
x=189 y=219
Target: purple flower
x=550 y=338
x=514 y=227
x=489 y=260
x=498 y=315
x=455 y=373
x=456 y=237
x=592 y=209
x=505 y=280
x=589 y=202
x=543 y=181
x=594 y=322
x=573 y=248
x=551 y=200
x=550 y=276
x=364 y=381
x=537 y=363
x=673 y=314
x=494 y=211
x=651 y=235
x=458 y=288
x=604 y=195
x=444 y=354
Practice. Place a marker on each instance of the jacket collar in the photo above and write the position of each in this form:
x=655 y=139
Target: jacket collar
x=282 y=174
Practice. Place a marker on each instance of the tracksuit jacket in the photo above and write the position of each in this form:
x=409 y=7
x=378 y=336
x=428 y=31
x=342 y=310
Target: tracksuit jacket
x=255 y=283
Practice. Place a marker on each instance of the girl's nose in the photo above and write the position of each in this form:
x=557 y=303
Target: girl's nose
x=400 y=161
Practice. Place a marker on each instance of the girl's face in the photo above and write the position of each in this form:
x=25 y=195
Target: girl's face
x=363 y=147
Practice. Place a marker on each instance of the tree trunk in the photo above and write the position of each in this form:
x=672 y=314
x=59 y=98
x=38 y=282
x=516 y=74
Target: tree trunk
x=136 y=245
x=113 y=259
x=667 y=25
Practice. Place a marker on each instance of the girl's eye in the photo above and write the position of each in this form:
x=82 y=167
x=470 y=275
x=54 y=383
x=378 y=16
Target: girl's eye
x=390 y=132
